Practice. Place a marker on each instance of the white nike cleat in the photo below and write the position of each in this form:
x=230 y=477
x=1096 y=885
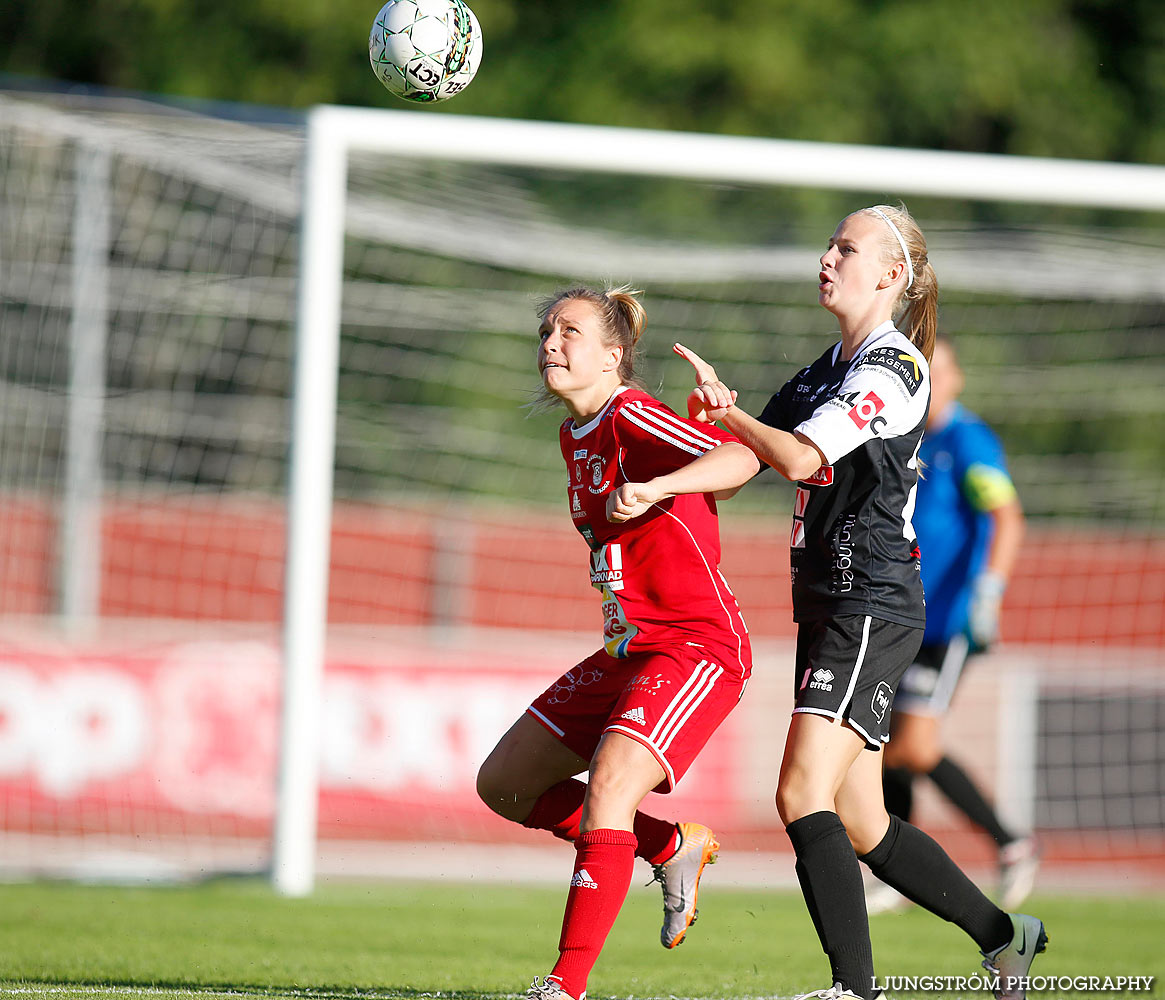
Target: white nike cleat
x=680 y=878
x=836 y=992
x=550 y=989
x=1018 y=863
x=1012 y=961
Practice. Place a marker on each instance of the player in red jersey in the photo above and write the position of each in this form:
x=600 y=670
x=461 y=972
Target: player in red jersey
x=675 y=654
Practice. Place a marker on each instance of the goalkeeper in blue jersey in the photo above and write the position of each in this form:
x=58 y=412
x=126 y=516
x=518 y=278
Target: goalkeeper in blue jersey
x=970 y=525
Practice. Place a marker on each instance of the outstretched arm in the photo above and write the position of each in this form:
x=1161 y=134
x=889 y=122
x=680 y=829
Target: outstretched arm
x=726 y=467
x=1008 y=524
x=794 y=456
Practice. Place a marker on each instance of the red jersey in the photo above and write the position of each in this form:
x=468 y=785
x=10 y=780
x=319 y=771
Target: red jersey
x=658 y=574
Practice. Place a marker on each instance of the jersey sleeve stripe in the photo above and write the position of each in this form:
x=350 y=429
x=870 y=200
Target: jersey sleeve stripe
x=666 y=434
x=668 y=419
x=670 y=439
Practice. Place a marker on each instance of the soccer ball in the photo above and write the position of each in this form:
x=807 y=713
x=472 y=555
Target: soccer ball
x=425 y=50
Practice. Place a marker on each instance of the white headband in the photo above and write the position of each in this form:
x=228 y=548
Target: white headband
x=901 y=243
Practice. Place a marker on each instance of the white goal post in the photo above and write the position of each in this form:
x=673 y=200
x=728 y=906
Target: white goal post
x=333 y=132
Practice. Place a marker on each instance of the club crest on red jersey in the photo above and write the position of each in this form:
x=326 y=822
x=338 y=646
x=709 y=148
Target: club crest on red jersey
x=596 y=473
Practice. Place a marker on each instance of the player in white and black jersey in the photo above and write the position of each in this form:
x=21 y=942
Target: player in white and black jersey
x=846 y=429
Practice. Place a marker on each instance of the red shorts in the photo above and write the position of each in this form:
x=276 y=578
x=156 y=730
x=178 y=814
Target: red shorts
x=670 y=700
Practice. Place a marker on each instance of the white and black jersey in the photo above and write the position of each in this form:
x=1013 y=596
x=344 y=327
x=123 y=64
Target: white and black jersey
x=853 y=549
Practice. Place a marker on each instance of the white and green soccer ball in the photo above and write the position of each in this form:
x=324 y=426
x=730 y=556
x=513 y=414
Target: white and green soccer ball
x=425 y=50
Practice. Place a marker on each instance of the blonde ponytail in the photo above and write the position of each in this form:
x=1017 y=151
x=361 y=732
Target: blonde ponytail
x=919 y=319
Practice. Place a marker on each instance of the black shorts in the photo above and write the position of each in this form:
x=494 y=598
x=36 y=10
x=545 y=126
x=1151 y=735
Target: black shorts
x=930 y=681
x=848 y=667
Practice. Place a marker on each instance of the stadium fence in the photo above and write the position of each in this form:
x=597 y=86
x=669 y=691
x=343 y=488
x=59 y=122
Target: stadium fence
x=250 y=477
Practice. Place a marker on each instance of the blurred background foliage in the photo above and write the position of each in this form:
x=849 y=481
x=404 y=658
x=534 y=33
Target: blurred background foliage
x=1067 y=78
x=1063 y=78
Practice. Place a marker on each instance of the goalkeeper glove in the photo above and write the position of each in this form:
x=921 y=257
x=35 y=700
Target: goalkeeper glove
x=983 y=613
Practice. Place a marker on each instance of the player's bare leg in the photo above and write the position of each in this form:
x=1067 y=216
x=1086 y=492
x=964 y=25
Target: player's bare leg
x=818 y=754
x=526 y=762
x=860 y=803
x=861 y=806
x=915 y=743
x=528 y=778
x=622 y=772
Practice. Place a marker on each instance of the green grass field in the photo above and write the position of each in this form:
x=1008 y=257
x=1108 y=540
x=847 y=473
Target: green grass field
x=378 y=940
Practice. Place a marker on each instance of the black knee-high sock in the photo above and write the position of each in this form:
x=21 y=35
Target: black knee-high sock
x=957 y=786
x=898 y=791
x=831 y=882
x=810 y=902
x=917 y=867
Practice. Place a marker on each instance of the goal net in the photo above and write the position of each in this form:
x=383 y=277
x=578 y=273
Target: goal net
x=149 y=265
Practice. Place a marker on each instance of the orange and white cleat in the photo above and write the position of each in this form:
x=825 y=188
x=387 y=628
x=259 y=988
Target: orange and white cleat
x=680 y=878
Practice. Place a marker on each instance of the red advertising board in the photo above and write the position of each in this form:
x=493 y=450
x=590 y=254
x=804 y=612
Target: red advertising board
x=180 y=737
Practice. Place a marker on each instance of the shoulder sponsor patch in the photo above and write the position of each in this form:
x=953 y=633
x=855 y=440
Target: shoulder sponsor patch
x=901 y=363
x=866 y=409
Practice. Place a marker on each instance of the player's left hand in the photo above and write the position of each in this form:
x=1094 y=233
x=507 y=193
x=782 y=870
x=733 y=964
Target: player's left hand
x=711 y=399
x=983 y=613
x=630 y=500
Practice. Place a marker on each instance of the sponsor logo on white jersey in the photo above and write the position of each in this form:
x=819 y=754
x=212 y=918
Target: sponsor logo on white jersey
x=822 y=477
x=866 y=408
x=822 y=679
x=583 y=878
x=902 y=364
x=634 y=715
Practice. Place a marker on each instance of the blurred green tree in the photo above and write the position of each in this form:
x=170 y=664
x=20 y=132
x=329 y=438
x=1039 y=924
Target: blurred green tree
x=1073 y=78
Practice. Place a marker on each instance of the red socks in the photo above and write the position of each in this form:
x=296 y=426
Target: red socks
x=603 y=866
x=559 y=810
x=602 y=876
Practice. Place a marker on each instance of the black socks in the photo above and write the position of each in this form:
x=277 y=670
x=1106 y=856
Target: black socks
x=831 y=882
x=898 y=791
x=953 y=782
x=920 y=869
